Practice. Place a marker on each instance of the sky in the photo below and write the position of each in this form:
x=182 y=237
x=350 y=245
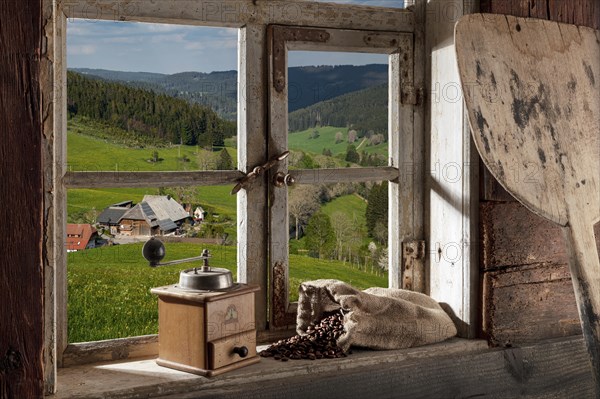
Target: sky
x=142 y=47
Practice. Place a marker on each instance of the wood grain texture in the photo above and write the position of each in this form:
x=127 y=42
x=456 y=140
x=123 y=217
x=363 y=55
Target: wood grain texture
x=220 y=352
x=512 y=235
x=252 y=151
x=577 y=12
x=181 y=332
x=534 y=117
x=229 y=316
x=151 y=179
x=451 y=173
x=110 y=350
x=528 y=303
x=237 y=13
x=21 y=273
x=543 y=371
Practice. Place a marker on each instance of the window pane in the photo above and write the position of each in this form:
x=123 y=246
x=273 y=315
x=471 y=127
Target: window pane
x=338 y=114
x=145 y=97
x=150 y=97
x=338 y=231
x=108 y=279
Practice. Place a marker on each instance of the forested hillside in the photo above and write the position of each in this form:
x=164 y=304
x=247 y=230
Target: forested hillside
x=364 y=111
x=218 y=90
x=159 y=117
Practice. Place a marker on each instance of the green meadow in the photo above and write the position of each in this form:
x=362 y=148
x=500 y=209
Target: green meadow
x=302 y=141
x=109 y=287
x=88 y=151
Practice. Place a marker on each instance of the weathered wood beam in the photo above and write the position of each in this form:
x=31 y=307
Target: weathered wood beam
x=252 y=150
x=110 y=350
x=22 y=199
x=237 y=13
x=123 y=179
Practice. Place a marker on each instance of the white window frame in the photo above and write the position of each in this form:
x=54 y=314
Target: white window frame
x=252 y=19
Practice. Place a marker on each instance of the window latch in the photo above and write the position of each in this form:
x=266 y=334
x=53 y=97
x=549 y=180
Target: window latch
x=259 y=170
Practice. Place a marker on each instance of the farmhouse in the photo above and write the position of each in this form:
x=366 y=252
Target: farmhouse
x=80 y=237
x=155 y=215
x=111 y=216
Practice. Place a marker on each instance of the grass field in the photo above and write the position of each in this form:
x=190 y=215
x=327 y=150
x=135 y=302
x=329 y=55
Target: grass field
x=352 y=206
x=301 y=141
x=109 y=287
x=89 y=153
x=86 y=152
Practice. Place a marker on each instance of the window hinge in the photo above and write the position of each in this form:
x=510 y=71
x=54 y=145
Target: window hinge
x=412 y=95
x=413 y=265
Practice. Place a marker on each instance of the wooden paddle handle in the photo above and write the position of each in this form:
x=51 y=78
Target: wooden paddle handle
x=584 y=263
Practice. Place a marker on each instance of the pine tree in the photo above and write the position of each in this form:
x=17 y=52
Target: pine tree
x=225 y=162
x=320 y=236
x=352 y=155
x=377 y=208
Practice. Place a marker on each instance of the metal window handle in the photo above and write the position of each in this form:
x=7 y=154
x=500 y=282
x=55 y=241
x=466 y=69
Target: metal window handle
x=283 y=180
x=259 y=170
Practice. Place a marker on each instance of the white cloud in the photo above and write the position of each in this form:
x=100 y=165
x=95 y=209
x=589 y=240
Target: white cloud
x=168 y=38
x=124 y=39
x=82 y=49
x=195 y=46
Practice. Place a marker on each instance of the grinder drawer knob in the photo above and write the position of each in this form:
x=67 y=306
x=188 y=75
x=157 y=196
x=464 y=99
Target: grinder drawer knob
x=241 y=350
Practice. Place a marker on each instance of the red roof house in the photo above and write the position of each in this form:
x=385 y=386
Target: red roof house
x=80 y=237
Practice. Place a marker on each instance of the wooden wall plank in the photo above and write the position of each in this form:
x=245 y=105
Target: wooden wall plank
x=527 y=303
x=512 y=235
x=21 y=273
x=577 y=12
x=528 y=293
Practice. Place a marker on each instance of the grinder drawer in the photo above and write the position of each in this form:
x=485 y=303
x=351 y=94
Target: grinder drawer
x=222 y=352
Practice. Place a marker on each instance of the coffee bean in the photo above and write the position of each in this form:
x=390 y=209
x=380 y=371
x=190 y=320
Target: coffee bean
x=318 y=343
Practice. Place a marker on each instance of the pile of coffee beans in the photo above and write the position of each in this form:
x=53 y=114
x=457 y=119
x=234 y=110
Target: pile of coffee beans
x=318 y=343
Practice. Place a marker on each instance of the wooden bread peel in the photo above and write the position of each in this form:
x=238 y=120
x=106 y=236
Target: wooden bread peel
x=532 y=91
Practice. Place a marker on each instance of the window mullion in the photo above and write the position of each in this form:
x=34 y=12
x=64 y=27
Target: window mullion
x=405 y=193
x=252 y=151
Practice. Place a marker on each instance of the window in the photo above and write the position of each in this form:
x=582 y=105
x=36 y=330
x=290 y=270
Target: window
x=179 y=115
x=283 y=39
x=267 y=30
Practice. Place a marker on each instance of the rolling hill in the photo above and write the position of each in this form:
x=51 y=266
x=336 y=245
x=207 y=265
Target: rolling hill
x=363 y=110
x=218 y=90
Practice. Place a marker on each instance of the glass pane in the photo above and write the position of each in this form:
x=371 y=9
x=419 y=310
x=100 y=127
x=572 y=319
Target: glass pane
x=178 y=113
x=338 y=231
x=150 y=97
x=108 y=279
x=338 y=110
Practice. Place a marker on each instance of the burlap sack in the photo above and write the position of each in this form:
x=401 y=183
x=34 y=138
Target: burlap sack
x=376 y=318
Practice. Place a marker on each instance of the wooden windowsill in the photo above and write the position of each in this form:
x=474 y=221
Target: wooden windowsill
x=458 y=368
x=144 y=378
